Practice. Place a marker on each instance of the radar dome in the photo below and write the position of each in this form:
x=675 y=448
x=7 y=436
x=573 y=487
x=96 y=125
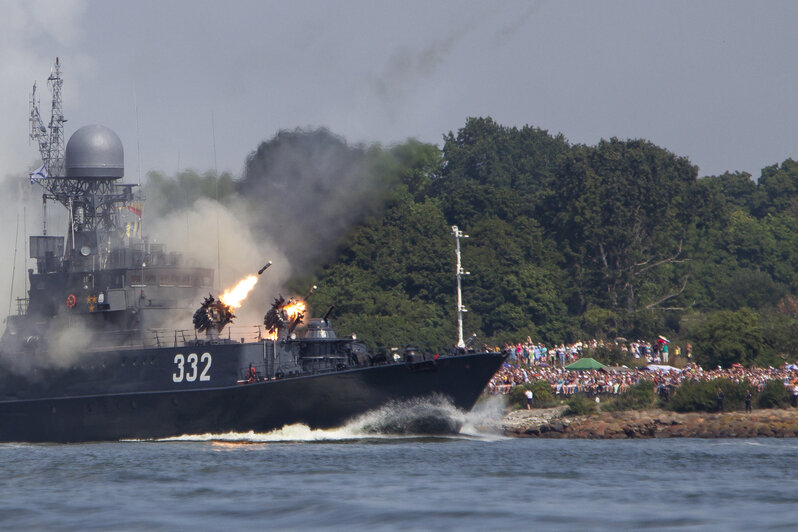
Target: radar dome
x=94 y=152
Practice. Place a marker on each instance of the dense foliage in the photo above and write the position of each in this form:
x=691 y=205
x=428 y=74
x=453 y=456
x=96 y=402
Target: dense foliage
x=638 y=397
x=774 y=395
x=579 y=405
x=691 y=396
x=566 y=241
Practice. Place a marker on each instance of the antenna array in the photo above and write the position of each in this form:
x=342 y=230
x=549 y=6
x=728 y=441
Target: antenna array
x=50 y=138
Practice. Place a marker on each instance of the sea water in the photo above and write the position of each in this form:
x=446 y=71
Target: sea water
x=362 y=477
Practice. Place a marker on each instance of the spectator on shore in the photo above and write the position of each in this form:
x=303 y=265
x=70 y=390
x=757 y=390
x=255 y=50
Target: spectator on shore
x=529 y=396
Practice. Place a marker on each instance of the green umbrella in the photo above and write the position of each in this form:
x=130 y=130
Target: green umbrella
x=585 y=363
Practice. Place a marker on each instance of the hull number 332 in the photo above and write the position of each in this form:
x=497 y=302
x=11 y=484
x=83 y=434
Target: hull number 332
x=188 y=367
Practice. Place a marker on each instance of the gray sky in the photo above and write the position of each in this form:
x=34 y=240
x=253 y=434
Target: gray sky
x=711 y=80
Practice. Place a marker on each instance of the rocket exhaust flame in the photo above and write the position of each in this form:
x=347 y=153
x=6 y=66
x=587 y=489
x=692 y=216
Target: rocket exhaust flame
x=294 y=310
x=284 y=317
x=235 y=296
x=214 y=314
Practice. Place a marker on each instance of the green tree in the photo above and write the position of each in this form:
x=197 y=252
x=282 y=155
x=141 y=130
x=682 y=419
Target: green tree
x=514 y=285
x=492 y=170
x=774 y=395
x=638 y=397
x=780 y=331
x=391 y=284
x=750 y=288
x=779 y=188
x=691 y=396
x=580 y=406
x=621 y=208
x=727 y=337
x=750 y=241
x=736 y=190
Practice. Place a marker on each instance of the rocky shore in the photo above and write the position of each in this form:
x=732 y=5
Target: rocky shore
x=551 y=423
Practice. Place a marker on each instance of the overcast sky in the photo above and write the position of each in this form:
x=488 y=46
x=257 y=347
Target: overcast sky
x=714 y=81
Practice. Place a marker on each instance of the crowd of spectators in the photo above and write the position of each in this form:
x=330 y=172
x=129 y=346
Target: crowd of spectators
x=533 y=362
x=531 y=353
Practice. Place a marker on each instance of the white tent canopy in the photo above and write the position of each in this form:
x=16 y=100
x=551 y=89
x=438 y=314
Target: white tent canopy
x=660 y=367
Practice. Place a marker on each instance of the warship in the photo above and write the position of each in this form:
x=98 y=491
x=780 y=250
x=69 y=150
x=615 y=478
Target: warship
x=87 y=356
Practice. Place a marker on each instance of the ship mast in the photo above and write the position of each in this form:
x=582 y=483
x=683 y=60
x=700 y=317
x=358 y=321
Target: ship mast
x=458 y=234
x=50 y=139
x=89 y=191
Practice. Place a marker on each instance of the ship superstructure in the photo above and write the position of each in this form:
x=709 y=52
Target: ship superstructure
x=100 y=274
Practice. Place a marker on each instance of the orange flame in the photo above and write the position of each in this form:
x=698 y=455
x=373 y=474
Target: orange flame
x=293 y=310
x=235 y=296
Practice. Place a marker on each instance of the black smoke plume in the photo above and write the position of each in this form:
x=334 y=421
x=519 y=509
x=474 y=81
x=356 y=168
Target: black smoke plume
x=308 y=188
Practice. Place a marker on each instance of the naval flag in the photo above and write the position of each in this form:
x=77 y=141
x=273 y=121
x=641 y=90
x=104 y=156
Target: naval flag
x=40 y=173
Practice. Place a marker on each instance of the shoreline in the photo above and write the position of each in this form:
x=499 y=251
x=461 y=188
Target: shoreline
x=654 y=423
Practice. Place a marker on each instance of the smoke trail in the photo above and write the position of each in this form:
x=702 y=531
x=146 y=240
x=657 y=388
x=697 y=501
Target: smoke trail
x=407 y=68
x=513 y=27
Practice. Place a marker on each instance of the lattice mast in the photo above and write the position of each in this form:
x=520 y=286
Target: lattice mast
x=92 y=202
x=50 y=138
x=57 y=120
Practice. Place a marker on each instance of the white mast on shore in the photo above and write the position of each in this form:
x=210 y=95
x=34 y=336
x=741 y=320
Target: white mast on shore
x=460 y=308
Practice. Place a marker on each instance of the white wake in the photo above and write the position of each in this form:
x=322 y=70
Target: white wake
x=420 y=418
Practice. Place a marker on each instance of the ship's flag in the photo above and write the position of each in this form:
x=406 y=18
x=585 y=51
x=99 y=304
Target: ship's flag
x=135 y=208
x=39 y=174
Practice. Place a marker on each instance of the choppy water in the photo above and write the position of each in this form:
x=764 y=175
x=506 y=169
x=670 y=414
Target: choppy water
x=354 y=478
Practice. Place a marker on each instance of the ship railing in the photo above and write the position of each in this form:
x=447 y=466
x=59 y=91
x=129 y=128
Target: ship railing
x=22 y=305
x=167 y=337
x=117 y=339
x=245 y=333
x=136 y=338
x=179 y=337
